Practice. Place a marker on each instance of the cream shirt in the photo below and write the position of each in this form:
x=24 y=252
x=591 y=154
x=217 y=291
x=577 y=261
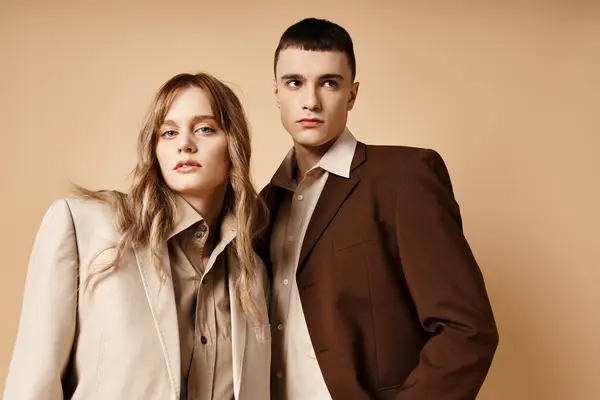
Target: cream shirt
x=295 y=371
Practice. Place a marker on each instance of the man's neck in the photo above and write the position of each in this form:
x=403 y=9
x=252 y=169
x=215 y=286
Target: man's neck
x=308 y=157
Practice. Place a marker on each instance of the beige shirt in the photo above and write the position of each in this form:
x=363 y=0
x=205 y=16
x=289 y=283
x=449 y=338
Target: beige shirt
x=203 y=308
x=296 y=372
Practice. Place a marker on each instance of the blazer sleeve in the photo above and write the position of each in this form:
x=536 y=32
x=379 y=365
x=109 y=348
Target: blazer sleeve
x=447 y=288
x=48 y=315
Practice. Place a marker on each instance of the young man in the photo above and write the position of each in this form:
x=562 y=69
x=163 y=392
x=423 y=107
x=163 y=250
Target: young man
x=375 y=292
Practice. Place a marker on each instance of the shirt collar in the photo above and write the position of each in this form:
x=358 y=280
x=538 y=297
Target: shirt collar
x=186 y=216
x=337 y=160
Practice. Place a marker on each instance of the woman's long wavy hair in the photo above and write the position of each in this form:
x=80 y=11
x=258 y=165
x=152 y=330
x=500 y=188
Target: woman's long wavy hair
x=145 y=215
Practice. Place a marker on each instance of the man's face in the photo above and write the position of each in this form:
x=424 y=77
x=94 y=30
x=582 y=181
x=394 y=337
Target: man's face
x=314 y=92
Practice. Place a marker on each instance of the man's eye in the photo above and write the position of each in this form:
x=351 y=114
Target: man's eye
x=331 y=84
x=293 y=83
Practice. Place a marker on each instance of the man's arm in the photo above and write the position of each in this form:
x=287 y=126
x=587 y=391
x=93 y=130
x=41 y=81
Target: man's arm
x=447 y=287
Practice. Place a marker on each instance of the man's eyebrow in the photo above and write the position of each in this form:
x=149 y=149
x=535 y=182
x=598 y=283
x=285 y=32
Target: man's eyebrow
x=299 y=77
x=286 y=77
x=331 y=76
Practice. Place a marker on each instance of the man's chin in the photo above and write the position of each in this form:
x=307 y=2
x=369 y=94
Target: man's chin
x=312 y=139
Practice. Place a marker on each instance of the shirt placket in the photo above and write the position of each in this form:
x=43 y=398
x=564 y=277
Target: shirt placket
x=290 y=248
x=204 y=327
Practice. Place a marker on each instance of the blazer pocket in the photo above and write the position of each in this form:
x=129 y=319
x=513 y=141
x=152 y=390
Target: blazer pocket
x=358 y=234
x=397 y=388
x=263 y=333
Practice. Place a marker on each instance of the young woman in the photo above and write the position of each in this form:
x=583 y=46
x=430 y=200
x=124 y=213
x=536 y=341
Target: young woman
x=157 y=293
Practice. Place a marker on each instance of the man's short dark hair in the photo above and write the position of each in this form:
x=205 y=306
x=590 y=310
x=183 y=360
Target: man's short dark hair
x=315 y=34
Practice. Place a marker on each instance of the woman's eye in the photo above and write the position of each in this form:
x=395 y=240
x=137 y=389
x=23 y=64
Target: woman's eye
x=205 y=130
x=169 y=134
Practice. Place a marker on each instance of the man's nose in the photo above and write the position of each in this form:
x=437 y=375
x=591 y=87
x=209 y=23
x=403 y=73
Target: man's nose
x=312 y=101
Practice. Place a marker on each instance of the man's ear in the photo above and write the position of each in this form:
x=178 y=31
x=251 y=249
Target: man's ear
x=276 y=92
x=353 y=95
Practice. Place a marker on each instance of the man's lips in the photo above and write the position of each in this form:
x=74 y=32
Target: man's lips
x=310 y=122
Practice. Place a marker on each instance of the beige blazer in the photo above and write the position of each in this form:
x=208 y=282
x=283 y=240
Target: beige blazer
x=118 y=339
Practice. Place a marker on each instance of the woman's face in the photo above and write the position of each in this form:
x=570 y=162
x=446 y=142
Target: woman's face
x=192 y=148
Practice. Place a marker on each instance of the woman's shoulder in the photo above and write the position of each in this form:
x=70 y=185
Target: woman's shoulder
x=88 y=222
x=94 y=210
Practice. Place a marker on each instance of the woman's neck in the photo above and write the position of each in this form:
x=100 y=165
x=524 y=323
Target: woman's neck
x=208 y=206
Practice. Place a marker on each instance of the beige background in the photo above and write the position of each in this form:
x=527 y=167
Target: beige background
x=507 y=91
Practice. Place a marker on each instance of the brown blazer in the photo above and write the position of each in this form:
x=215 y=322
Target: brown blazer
x=394 y=300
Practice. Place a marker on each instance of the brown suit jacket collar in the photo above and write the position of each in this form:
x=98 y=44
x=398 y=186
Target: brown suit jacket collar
x=336 y=191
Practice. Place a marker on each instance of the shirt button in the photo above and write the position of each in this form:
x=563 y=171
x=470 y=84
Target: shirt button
x=285 y=281
x=203 y=340
x=200 y=232
x=290 y=238
x=300 y=197
x=279 y=375
x=280 y=327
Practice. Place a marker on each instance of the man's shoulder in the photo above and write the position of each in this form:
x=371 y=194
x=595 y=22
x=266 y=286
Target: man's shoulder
x=401 y=158
x=417 y=167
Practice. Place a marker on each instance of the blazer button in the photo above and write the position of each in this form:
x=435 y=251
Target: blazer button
x=203 y=340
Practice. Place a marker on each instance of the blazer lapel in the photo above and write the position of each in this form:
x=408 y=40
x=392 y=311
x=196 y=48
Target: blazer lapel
x=272 y=197
x=238 y=325
x=161 y=299
x=336 y=191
